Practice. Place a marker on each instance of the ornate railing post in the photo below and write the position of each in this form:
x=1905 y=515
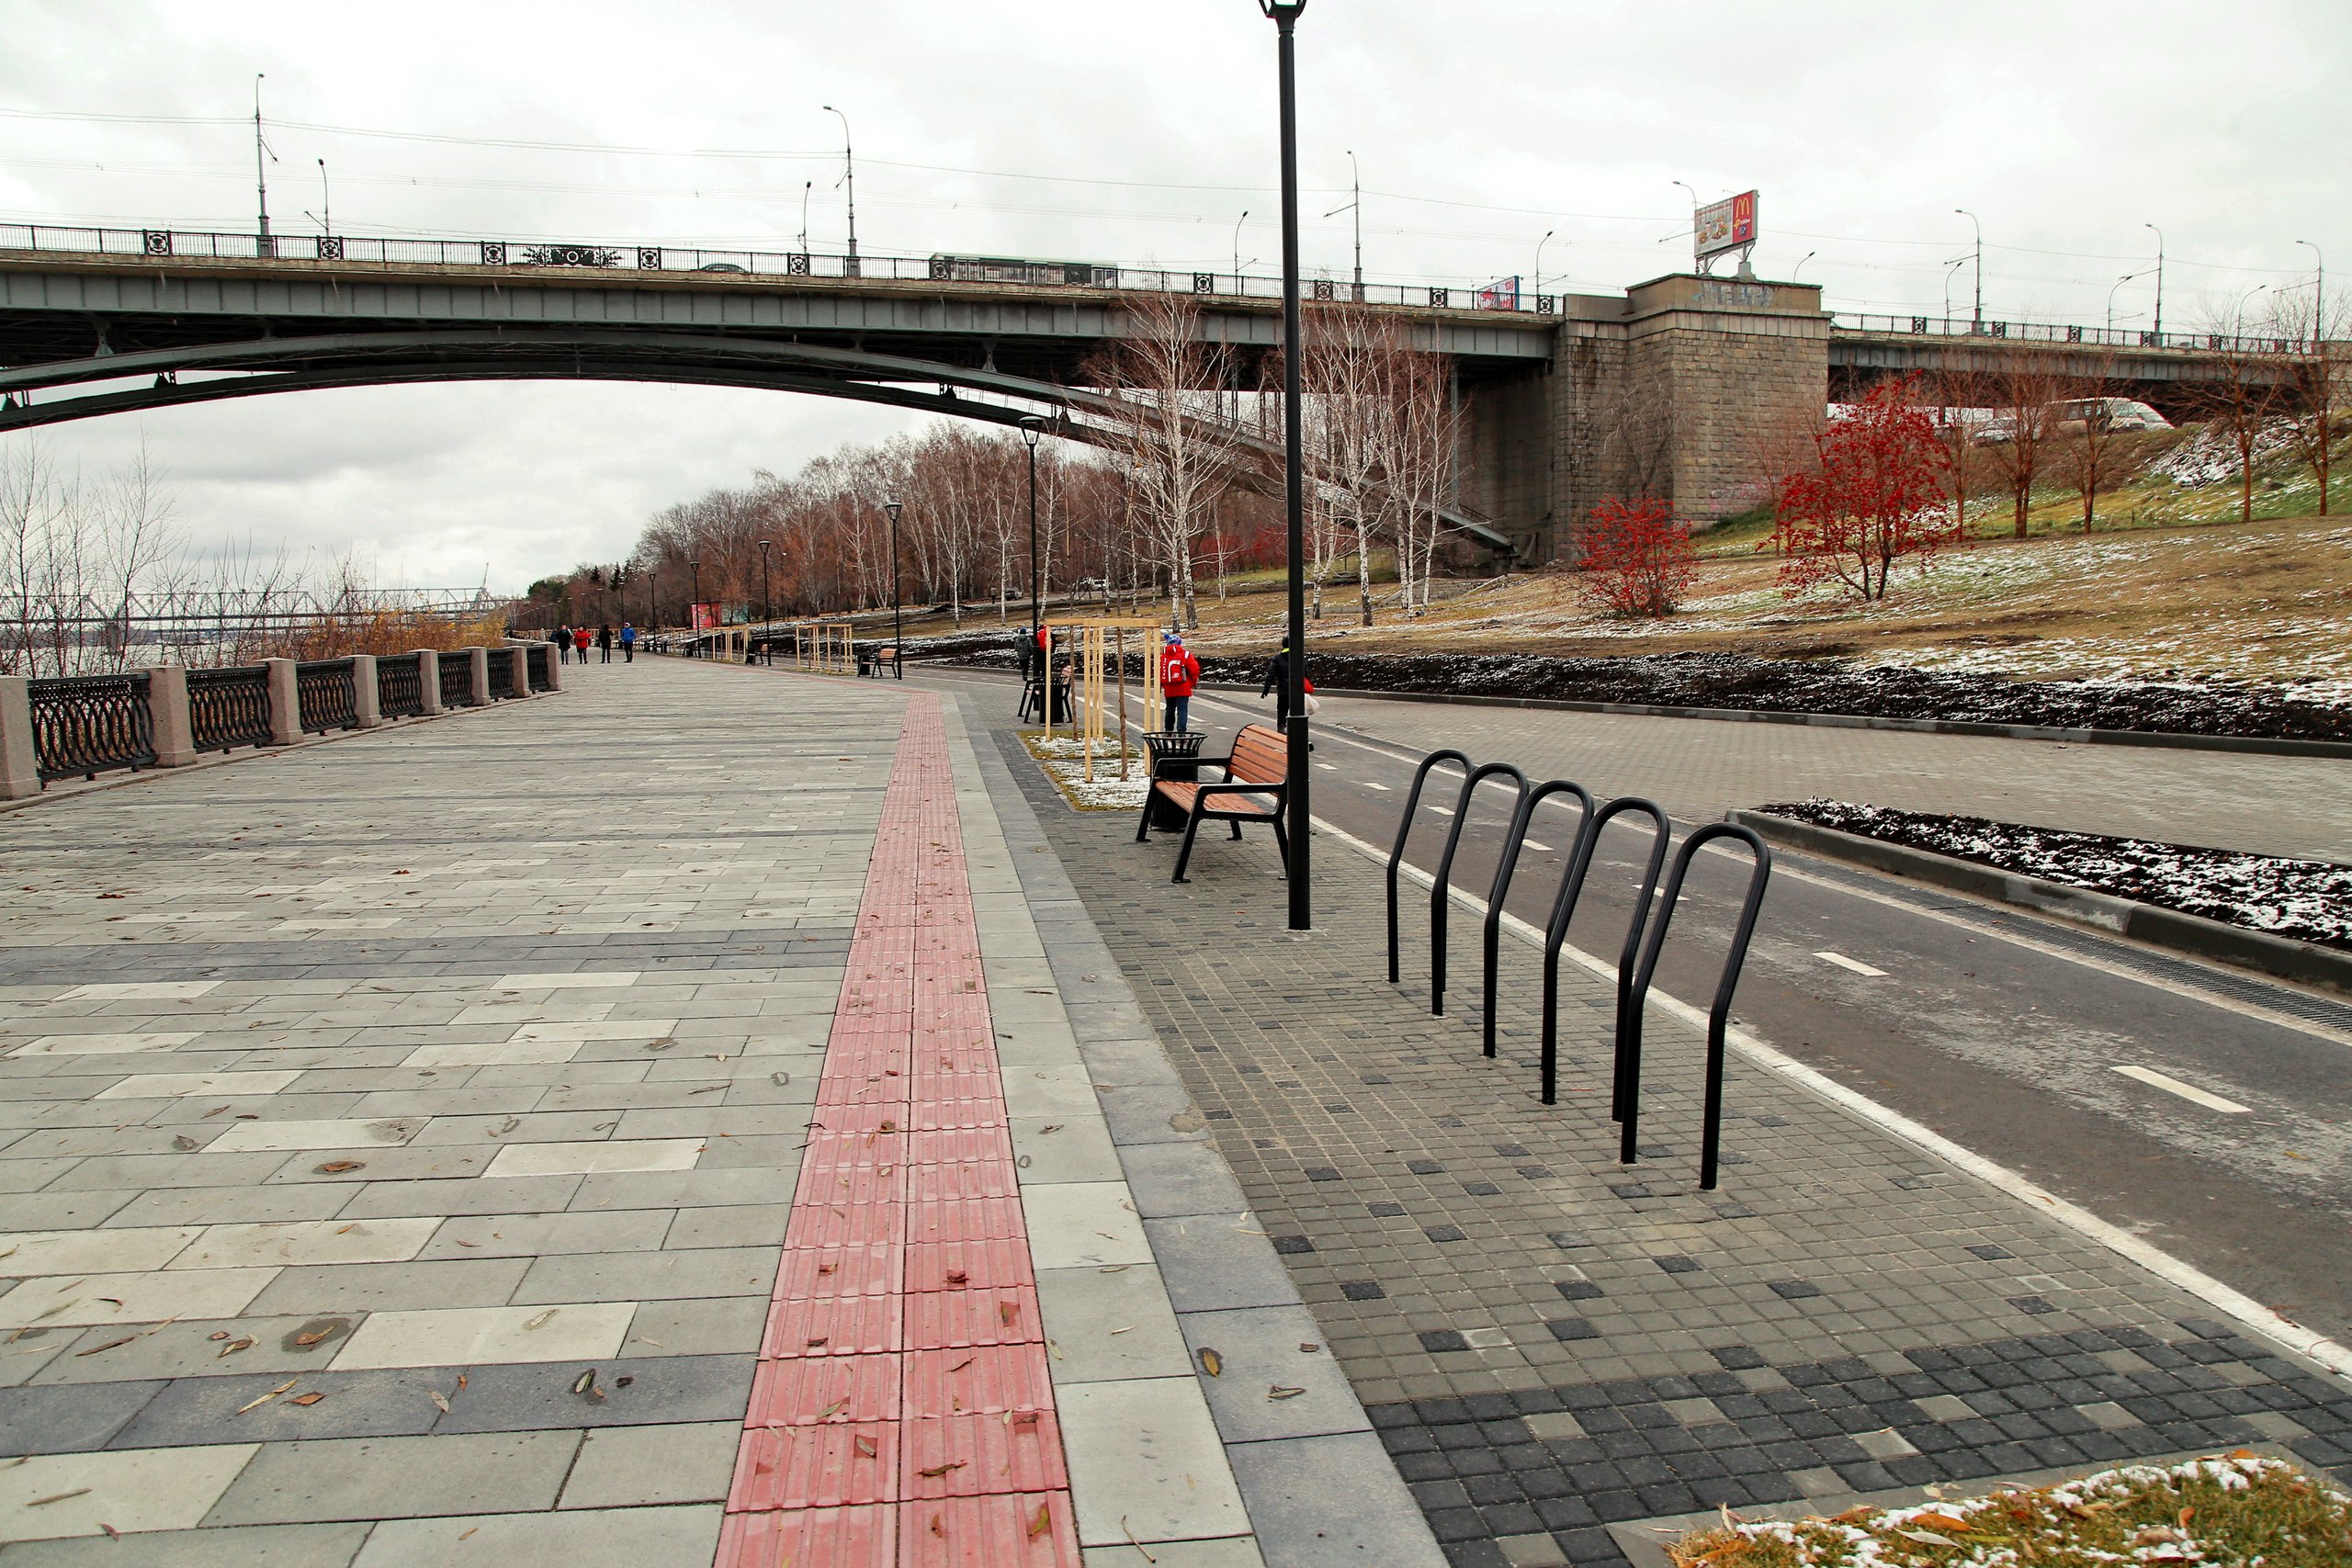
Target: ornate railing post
x=284 y=703
x=19 y=758
x=518 y=671
x=481 y=657
x=428 y=679
x=168 y=716
x=554 y=668
x=367 y=701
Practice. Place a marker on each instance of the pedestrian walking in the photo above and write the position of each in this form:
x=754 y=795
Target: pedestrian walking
x=628 y=643
x=1180 y=674
x=581 y=636
x=605 y=643
x=562 y=637
x=1278 y=682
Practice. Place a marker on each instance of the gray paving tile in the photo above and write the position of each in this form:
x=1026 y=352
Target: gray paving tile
x=1170 y=1179
x=527 y=1194
x=49 y=1419
x=190 y=1348
x=629 y=1467
x=650 y=1276
x=1330 y=1500
x=399 y=1478
x=251 y=1546
x=1110 y=1325
x=1213 y=1263
x=682 y=1536
x=537 y=1236
x=696 y=1327
x=658 y=1390
x=416 y=1285
x=1270 y=1384
x=353 y=1404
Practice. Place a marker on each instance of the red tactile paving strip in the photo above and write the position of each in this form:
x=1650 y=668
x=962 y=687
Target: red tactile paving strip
x=901 y=1414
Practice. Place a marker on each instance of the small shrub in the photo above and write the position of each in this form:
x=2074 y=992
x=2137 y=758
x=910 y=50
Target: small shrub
x=1638 y=557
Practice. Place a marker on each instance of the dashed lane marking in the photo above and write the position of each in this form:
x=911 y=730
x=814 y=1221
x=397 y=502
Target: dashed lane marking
x=1856 y=965
x=2190 y=1092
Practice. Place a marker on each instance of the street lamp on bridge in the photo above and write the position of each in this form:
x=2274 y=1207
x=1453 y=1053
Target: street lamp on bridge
x=1284 y=15
x=2111 y=298
x=1980 y=266
x=2160 y=281
x=2319 y=292
x=849 y=178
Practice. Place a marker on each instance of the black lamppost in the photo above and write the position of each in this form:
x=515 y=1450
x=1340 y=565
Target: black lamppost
x=652 y=600
x=1284 y=15
x=767 y=605
x=1029 y=435
x=898 y=612
x=694 y=613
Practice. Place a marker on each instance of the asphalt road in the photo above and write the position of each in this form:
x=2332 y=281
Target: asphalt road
x=2206 y=1110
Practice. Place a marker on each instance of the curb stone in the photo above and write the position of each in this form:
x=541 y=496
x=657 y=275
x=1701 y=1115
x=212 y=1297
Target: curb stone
x=2195 y=936
x=2172 y=739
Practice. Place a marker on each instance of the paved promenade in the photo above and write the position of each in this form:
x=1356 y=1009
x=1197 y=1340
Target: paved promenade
x=717 y=1116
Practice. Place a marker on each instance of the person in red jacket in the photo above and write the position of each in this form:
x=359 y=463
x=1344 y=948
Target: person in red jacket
x=580 y=638
x=1180 y=674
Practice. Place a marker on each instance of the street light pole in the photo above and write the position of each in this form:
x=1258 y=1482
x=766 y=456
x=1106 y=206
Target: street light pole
x=1029 y=436
x=2319 y=293
x=767 y=604
x=1536 y=285
x=1284 y=15
x=1950 y=267
x=2111 y=298
x=898 y=612
x=1236 y=248
x=261 y=169
x=694 y=611
x=1980 y=266
x=849 y=178
x=2160 y=282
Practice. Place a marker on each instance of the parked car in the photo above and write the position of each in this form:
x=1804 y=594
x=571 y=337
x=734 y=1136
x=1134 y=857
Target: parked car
x=2074 y=416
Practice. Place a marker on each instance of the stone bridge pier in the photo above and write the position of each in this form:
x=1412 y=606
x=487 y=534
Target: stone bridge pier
x=1695 y=389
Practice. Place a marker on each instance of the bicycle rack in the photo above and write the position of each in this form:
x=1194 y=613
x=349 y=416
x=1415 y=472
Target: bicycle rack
x=1525 y=820
x=1630 y=1021
x=1441 y=889
x=1556 y=935
x=1404 y=830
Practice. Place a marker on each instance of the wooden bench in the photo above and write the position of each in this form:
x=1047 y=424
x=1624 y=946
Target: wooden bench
x=1254 y=789
x=870 y=663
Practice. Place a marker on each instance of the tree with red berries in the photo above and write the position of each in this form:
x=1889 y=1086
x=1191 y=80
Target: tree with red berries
x=1876 y=497
x=1637 y=559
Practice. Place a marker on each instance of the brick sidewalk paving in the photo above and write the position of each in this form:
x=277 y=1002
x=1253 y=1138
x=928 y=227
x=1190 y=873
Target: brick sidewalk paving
x=1552 y=1344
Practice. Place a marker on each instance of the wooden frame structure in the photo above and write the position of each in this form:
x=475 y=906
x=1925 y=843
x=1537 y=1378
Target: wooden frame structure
x=1089 y=643
x=824 y=648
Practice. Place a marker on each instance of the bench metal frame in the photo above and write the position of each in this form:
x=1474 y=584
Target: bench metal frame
x=1202 y=811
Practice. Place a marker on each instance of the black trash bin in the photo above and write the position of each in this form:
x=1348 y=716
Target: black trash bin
x=1181 y=749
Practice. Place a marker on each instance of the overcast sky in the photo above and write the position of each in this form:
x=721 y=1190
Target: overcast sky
x=1128 y=131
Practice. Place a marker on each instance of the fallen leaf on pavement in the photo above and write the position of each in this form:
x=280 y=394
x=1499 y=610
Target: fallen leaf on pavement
x=1042 y=1522
x=107 y=1346
x=939 y=1470
x=865 y=1446
x=337 y=1166
x=542 y=1320
x=234 y=1345
x=306 y=1399
x=439 y=1399
x=265 y=1398
x=1212 y=1363
x=1278 y=1392
x=58 y=1497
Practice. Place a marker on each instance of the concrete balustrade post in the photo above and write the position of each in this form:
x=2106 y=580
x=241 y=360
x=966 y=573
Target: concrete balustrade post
x=284 y=704
x=521 y=683
x=481 y=684
x=19 y=761
x=169 y=717
x=428 y=675
x=367 y=697
x=555 y=668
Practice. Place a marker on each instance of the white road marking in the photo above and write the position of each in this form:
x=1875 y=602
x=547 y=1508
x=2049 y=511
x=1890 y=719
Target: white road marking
x=1531 y=844
x=1381 y=787
x=2190 y=1092
x=1442 y=810
x=1843 y=961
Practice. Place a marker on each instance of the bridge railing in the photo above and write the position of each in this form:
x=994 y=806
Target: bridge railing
x=2058 y=333
x=170 y=715
x=1506 y=296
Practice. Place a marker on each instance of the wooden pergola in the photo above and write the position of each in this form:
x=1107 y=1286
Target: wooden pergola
x=824 y=648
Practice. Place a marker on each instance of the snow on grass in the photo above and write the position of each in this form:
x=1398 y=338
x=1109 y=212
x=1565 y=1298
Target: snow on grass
x=2307 y=900
x=2239 y=1509
x=1063 y=757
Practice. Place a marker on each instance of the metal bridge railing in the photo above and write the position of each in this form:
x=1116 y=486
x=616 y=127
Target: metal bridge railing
x=1505 y=296
x=536 y=657
x=400 y=685
x=88 y=725
x=229 y=707
x=457 y=679
x=2061 y=333
x=326 y=695
x=502 y=672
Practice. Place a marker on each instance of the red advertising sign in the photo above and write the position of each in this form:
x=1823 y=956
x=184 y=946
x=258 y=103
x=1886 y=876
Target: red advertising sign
x=1500 y=295
x=705 y=618
x=1726 y=225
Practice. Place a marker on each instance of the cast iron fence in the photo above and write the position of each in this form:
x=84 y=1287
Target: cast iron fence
x=400 y=685
x=535 y=657
x=502 y=672
x=91 y=723
x=457 y=679
x=229 y=707
x=326 y=696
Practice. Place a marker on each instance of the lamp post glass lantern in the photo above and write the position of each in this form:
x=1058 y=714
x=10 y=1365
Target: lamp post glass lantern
x=1284 y=15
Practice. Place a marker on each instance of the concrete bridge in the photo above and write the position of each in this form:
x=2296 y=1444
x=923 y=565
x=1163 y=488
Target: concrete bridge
x=1694 y=388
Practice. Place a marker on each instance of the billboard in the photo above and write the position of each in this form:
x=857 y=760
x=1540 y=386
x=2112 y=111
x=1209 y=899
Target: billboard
x=1726 y=225
x=1500 y=295
x=705 y=618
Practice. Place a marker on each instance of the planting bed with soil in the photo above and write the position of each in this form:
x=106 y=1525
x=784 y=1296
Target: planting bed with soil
x=2308 y=900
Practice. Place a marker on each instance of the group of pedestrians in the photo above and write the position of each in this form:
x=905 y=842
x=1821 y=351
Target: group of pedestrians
x=1179 y=677
x=569 y=640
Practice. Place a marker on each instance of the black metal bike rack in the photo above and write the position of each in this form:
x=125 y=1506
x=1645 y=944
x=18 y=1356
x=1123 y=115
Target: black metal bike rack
x=1404 y=831
x=1511 y=849
x=1718 y=1015
x=1441 y=888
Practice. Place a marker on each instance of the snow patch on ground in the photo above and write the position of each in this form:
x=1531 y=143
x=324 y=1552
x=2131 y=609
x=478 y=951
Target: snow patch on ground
x=1064 y=759
x=2308 y=900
